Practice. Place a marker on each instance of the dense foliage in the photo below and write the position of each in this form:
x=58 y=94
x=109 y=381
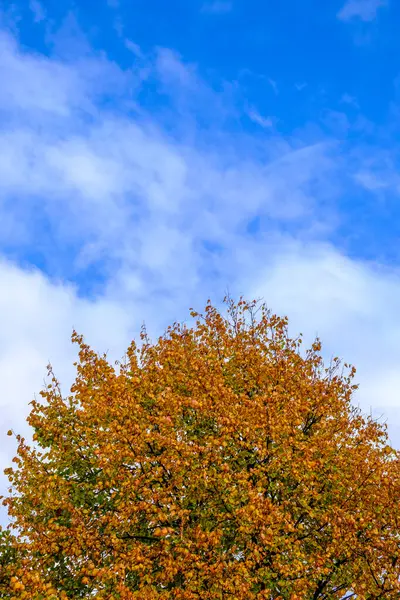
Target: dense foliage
x=218 y=463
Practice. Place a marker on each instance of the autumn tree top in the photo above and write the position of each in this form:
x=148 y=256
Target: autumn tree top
x=218 y=463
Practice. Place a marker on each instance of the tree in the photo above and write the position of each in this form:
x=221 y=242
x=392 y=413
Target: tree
x=10 y=563
x=218 y=463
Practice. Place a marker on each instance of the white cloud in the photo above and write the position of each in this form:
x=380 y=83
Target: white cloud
x=134 y=48
x=373 y=181
x=365 y=10
x=264 y=122
x=348 y=99
x=172 y=72
x=35 y=84
x=109 y=183
x=274 y=85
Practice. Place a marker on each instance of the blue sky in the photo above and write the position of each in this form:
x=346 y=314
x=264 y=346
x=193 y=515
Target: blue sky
x=156 y=154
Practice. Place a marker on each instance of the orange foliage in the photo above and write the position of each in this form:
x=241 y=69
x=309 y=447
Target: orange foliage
x=218 y=463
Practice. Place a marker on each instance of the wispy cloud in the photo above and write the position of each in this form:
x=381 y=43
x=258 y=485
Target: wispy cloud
x=365 y=10
x=350 y=100
x=274 y=85
x=256 y=117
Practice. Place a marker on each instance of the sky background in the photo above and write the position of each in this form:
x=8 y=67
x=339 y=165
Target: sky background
x=154 y=154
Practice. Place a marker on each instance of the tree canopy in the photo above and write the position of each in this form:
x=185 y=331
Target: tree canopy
x=219 y=463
